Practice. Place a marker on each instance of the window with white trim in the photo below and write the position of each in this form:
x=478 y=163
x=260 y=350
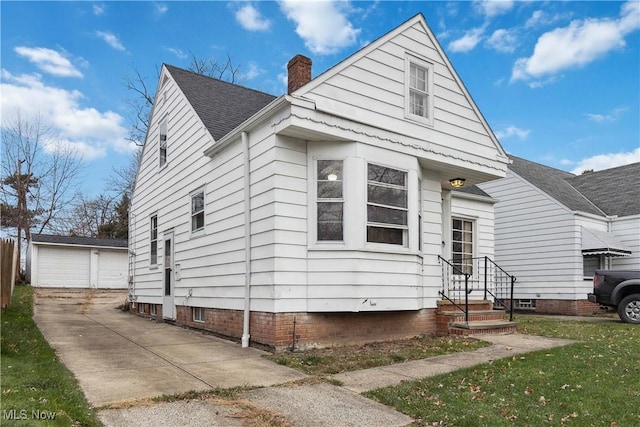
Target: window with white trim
x=198 y=314
x=153 y=258
x=163 y=142
x=419 y=87
x=387 y=206
x=197 y=211
x=462 y=245
x=329 y=200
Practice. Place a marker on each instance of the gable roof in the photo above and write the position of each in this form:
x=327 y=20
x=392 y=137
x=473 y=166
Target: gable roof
x=221 y=106
x=615 y=191
x=79 y=241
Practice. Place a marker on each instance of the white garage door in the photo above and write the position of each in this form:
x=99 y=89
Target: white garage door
x=64 y=267
x=112 y=269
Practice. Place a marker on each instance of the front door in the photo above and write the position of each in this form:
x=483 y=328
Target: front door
x=168 y=303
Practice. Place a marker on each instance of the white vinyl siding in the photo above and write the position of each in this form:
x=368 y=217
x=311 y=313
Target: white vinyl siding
x=537 y=240
x=626 y=230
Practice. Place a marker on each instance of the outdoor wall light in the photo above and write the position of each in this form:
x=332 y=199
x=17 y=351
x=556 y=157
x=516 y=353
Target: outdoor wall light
x=457 y=182
x=332 y=177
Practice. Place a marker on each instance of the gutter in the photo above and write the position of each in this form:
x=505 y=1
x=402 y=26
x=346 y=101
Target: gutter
x=247 y=240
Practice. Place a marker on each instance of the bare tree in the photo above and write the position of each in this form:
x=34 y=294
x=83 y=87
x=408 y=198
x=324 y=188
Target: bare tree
x=38 y=177
x=141 y=103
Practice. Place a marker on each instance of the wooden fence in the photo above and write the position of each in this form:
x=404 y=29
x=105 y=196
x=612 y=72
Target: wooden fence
x=8 y=261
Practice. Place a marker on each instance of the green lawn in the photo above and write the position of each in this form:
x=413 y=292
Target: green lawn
x=36 y=388
x=592 y=383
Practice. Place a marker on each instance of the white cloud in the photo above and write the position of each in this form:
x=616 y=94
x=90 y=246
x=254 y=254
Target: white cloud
x=512 y=131
x=503 y=41
x=607 y=161
x=161 y=8
x=250 y=19
x=177 y=52
x=91 y=131
x=612 y=116
x=578 y=44
x=323 y=25
x=467 y=42
x=491 y=8
x=49 y=61
x=99 y=9
x=253 y=72
x=111 y=39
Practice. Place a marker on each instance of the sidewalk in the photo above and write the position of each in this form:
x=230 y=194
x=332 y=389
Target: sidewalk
x=121 y=360
x=327 y=405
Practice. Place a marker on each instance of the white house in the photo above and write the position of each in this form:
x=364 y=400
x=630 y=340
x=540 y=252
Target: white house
x=554 y=229
x=76 y=262
x=317 y=217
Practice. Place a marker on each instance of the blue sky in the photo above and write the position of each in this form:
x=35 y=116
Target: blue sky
x=558 y=82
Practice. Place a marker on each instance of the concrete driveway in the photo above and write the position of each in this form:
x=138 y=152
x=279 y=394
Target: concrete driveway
x=117 y=356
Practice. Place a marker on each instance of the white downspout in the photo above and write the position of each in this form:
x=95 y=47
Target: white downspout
x=247 y=240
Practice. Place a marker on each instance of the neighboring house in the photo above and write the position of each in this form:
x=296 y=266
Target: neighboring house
x=76 y=262
x=553 y=229
x=316 y=217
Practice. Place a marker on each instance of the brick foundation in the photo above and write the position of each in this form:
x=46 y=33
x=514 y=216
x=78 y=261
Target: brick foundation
x=144 y=310
x=276 y=330
x=566 y=307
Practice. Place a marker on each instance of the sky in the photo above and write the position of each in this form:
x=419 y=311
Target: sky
x=557 y=81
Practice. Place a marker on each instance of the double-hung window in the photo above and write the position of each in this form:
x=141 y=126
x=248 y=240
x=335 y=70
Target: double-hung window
x=387 y=212
x=154 y=240
x=197 y=211
x=163 y=142
x=330 y=202
x=462 y=246
x=419 y=87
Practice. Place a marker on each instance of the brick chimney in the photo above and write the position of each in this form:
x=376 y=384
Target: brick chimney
x=299 y=72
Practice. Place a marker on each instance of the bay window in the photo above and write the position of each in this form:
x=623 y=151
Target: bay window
x=329 y=200
x=387 y=206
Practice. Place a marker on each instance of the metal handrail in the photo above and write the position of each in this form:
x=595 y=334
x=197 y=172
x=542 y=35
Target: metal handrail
x=488 y=267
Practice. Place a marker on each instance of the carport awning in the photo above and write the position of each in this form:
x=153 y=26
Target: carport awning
x=596 y=242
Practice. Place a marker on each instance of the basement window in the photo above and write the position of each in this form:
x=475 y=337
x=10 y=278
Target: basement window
x=198 y=314
x=525 y=304
x=153 y=310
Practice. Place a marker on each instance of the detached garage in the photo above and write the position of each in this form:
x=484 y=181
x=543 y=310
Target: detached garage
x=77 y=262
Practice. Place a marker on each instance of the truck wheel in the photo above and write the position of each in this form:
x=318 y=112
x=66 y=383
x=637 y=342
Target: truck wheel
x=629 y=309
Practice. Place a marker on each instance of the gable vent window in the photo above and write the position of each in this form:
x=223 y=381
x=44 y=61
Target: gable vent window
x=387 y=210
x=419 y=89
x=197 y=211
x=163 y=143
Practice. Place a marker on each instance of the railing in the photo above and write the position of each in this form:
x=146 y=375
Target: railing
x=480 y=275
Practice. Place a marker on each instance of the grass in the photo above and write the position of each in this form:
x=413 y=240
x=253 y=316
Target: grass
x=595 y=382
x=343 y=359
x=36 y=388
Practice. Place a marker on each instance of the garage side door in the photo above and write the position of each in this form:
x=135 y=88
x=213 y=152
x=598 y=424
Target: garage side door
x=112 y=269
x=64 y=267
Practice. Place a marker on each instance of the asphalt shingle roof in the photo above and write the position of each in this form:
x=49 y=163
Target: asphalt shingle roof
x=613 y=191
x=222 y=106
x=75 y=240
x=554 y=183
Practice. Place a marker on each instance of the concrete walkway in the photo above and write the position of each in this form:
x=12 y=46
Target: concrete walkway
x=120 y=359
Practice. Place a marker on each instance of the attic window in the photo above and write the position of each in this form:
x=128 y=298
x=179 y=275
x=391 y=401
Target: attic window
x=419 y=90
x=163 y=142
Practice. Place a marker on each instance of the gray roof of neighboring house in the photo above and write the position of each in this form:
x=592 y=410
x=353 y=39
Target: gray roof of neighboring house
x=555 y=183
x=473 y=189
x=616 y=191
x=222 y=106
x=80 y=241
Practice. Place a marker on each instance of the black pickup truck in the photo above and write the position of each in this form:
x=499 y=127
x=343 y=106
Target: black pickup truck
x=619 y=289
